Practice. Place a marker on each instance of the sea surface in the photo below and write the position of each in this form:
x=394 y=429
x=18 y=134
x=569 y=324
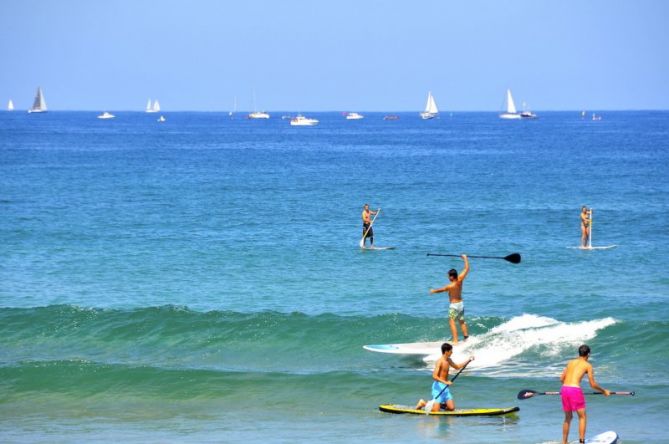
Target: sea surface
x=200 y=280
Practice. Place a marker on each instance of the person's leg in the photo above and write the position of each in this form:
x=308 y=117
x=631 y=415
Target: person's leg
x=450 y=405
x=565 y=427
x=454 y=330
x=582 y=422
x=420 y=404
x=463 y=327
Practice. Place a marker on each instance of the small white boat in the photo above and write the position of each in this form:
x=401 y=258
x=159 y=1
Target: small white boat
x=161 y=119
x=152 y=108
x=431 y=110
x=39 y=105
x=354 y=116
x=511 y=112
x=526 y=113
x=258 y=115
x=391 y=117
x=105 y=115
x=596 y=117
x=300 y=120
x=10 y=105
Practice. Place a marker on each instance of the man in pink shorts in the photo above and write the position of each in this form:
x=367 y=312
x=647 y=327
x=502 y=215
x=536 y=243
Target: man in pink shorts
x=571 y=393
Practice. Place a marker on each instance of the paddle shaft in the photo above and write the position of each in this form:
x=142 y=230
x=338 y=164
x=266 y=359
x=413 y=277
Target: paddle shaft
x=514 y=258
x=526 y=394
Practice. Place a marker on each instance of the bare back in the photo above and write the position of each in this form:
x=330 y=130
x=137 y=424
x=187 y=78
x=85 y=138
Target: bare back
x=573 y=373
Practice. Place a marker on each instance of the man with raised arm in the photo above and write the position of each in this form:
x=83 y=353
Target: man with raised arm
x=456 y=309
x=571 y=393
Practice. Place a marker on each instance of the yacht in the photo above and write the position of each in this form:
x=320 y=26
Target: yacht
x=431 y=110
x=354 y=116
x=258 y=115
x=511 y=112
x=161 y=119
x=10 y=105
x=300 y=120
x=152 y=108
x=105 y=115
x=39 y=105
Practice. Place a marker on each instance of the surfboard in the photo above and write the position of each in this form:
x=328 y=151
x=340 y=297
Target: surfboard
x=609 y=437
x=377 y=248
x=397 y=408
x=415 y=348
x=603 y=247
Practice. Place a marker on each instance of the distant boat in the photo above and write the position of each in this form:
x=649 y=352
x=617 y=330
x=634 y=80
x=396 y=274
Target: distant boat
x=39 y=105
x=596 y=117
x=258 y=115
x=511 y=112
x=527 y=114
x=152 y=108
x=234 y=108
x=431 y=110
x=105 y=115
x=354 y=116
x=10 y=105
x=161 y=119
x=391 y=117
x=300 y=120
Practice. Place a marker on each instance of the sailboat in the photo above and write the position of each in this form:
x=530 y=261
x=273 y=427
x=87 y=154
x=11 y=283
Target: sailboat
x=10 y=105
x=511 y=112
x=39 y=105
x=257 y=114
x=234 y=108
x=431 y=110
x=152 y=108
x=526 y=113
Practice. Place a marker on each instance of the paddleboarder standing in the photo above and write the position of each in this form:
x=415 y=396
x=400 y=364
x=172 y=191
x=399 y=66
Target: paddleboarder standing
x=367 y=230
x=572 y=395
x=456 y=309
x=586 y=216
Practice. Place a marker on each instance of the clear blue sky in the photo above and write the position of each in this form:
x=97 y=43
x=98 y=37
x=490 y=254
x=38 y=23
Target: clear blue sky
x=352 y=55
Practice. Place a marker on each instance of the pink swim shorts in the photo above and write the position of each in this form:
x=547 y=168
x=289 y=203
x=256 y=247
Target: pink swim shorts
x=572 y=398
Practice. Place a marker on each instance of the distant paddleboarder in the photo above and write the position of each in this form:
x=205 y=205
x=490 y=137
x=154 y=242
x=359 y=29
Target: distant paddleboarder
x=367 y=229
x=586 y=217
x=456 y=309
x=571 y=393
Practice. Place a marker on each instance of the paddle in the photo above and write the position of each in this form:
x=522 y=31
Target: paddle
x=526 y=394
x=514 y=258
x=362 y=241
x=430 y=404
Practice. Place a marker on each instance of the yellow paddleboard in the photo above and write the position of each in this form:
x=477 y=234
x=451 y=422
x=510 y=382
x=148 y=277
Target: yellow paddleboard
x=396 y=408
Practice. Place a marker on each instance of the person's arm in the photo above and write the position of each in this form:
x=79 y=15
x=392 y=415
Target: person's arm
x=441 y=290
x=591 y=377
x=563 y=375
x=465 y=271
x=437 y=371
x=459 y=366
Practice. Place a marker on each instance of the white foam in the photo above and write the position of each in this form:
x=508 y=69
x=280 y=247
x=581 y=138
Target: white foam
x=497 y=350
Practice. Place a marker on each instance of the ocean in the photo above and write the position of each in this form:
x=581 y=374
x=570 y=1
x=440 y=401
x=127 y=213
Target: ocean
x=200 y=280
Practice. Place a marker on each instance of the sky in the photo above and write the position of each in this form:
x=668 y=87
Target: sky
x=344 y=55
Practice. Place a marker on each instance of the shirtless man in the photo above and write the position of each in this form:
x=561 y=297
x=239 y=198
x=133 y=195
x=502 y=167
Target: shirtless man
x=441 y=386
x=571 y=393
x=367 y=230
x=586 y=215
x=456 y=310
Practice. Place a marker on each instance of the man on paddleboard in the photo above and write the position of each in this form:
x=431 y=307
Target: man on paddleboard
x=571 y=393
x=367 y=229
x=586 y=215
x=441 y=395
x=456 y=309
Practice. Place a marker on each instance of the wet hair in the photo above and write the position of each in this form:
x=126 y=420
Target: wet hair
x=453 y=273
x=583 y=350
x=446 y=347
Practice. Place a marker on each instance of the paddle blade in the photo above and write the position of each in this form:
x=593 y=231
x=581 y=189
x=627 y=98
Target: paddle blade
x=428 y=407
x=362 y=243
x=514 y=258
x=526 y=394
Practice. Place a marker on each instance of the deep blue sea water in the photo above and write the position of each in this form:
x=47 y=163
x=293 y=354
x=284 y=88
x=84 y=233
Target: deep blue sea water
x=200 y=280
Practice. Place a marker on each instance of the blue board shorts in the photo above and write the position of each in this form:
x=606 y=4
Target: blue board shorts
x=445 y=396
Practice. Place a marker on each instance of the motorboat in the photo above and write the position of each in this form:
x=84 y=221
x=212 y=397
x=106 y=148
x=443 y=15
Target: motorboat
x=300 y=120
x=105 y=115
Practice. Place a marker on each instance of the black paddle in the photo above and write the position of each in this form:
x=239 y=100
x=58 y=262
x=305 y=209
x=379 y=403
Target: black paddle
x=514 y=258
x=526 y=394
x=430 y=404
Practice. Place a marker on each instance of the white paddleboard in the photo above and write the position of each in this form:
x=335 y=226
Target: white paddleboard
x=377 y=248
x=432 y=348
x=609 y=437
x=604 y=247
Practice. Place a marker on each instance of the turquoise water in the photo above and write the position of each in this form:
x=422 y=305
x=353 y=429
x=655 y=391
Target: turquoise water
x=200 y=280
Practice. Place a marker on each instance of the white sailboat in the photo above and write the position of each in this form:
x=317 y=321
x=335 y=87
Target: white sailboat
x=234 y=108
x=431 y=110
x=153 y=108
x=354 y=116
x=257 y=114
x=10 y=105
x=39 y=105
x=526 y=113
x=511 y=112
x=106 y=115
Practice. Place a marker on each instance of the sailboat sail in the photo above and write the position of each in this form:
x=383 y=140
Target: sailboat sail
x=148 y=106
x=39 y=105
x=431 y=105
x=10 y=105
x=156 y=106
x=510 y=106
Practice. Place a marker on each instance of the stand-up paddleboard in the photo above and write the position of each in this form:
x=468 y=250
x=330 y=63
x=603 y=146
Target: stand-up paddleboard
x=415 y=348
x=377 y=248
x=397 y=408
x=609 y=437
x=603 y=247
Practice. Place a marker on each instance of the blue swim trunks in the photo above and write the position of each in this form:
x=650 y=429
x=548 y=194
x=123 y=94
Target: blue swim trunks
x=445 y=396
